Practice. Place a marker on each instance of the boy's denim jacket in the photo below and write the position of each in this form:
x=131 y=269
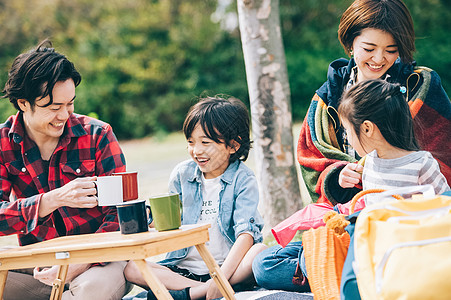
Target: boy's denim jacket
x=237 y=207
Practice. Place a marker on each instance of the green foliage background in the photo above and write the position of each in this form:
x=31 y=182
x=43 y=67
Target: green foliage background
x=145 y=62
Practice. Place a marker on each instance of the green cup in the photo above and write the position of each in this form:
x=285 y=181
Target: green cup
x=166 y=211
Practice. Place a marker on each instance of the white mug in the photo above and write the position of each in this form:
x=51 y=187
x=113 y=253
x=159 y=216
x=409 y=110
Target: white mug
x=109 y=190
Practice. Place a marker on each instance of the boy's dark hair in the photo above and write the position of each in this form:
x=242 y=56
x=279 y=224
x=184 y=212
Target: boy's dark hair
x=383 y=104
x=391 y=16
x=33 y=74
x=223 y=121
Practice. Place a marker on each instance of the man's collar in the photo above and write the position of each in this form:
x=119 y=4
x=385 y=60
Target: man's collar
x=73 y=127
x=17 y=131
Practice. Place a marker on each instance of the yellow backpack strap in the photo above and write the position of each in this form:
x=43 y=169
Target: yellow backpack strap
x=366 y=192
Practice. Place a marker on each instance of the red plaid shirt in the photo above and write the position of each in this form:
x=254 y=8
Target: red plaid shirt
x=88 y=147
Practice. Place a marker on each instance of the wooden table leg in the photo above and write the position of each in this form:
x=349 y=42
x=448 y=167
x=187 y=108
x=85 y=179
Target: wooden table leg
x=58 y=284
x=154 y=283
x=216 y=273
x=3 y=276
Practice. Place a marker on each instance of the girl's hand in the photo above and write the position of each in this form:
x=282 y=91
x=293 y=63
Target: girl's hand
x=350 y=176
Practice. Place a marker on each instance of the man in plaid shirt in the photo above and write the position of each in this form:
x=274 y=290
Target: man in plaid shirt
x=49 y=159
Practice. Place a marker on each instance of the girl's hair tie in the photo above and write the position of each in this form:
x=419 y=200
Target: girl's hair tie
x=402 y=89
x=45 y=49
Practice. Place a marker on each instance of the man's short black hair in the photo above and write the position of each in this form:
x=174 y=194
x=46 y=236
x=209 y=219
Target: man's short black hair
x=33 y=74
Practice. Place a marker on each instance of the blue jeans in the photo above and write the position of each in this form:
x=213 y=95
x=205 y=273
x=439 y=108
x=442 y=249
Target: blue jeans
x=274 y=267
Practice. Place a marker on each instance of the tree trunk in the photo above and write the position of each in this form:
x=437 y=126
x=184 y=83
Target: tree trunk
x=269 y=94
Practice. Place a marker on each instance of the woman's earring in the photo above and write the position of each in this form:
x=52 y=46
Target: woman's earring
x=351 y=52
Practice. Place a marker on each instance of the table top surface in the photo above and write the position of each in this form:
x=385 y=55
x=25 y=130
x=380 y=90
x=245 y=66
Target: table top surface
x=101 y=240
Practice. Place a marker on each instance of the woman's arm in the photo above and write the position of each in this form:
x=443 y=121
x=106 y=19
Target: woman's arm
x=320 y=156
x=431 y=110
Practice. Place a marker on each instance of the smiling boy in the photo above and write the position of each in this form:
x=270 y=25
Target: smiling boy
x=49 y=158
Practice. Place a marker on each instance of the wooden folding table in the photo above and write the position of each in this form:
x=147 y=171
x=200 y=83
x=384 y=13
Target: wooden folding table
x=113 y=246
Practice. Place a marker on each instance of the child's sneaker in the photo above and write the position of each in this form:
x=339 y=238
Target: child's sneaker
x=176 y=294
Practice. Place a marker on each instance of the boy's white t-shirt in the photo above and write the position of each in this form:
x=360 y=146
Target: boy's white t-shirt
x=218 y=246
